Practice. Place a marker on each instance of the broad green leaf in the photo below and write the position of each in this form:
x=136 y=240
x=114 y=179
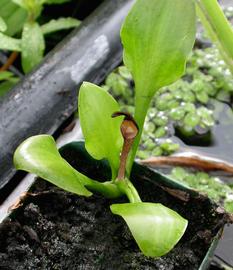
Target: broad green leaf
x=156 y=228
x=101 y=132
x=9 y=43
x=59 y=24
x=39 y=155
x=157 y=36
x=33 y=46
x=3 y=25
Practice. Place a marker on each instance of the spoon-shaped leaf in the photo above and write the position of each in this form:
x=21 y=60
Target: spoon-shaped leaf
x=157 y=36
x=101 y=132
x=156 y=228
x=39 y=155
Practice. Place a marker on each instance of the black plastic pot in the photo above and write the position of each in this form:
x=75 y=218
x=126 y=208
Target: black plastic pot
x=47 y=96
x=50 y=219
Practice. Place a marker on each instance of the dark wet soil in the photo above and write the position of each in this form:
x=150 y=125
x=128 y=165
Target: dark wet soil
x=59 y=230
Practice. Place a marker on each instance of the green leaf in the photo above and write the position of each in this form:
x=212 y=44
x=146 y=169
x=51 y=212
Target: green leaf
x=21 y=3
x=59 y=24
x=51 y=2
x=3 y=25
x=16 y=21
x=13 y=15
x=39 y=155
x=157 y=37
x=33 y=46
x=7 y=8
x=9 y=43
x=4 y=75
x=101 y=132
x=156 y=228
x=33 y=7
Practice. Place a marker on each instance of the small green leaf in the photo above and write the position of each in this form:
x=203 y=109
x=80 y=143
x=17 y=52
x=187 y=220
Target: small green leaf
x=101 y=132
x=3 y=25
x=192 y=119
x=59 y=24
x=4 y=75
x=9 y=43
x=156 y=228
x=157 y=37
x=39 y=155
x=7 y=8
x=16 y=21
x=33 y=45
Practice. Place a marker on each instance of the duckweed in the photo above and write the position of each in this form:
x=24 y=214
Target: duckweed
x=212 y=186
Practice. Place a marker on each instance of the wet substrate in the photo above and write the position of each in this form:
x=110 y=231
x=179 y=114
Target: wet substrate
x=54 y=229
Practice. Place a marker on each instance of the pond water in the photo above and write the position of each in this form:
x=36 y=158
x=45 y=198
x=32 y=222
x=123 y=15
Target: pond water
x=218 y=143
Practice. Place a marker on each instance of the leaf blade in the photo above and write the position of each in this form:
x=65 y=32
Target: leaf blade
x=16 y=21
x=101 y=132
x=39 y=155
x=157 y=37
x=59 y=24
x=33 y=46
x=9 y=43
x=156 y=228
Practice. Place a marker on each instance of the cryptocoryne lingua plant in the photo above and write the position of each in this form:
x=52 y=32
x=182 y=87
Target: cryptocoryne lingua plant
x=157 y=36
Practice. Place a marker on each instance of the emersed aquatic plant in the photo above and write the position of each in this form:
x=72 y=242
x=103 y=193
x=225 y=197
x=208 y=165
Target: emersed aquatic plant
x=22 y=16
x=157 y=37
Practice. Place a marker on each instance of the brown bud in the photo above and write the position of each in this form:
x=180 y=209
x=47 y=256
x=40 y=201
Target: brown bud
x=129 y=128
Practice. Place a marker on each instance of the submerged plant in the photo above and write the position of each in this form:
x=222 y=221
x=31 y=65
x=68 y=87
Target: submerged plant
x=157 y=37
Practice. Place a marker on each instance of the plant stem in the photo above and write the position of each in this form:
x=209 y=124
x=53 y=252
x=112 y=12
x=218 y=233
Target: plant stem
x=218 y=28
x=107 y=189
x=141 y=107
x=115 y=189
x=10 y=61
x=129 y=190
x=123 y=159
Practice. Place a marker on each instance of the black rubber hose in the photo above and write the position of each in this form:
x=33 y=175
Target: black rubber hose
x=48 y=95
